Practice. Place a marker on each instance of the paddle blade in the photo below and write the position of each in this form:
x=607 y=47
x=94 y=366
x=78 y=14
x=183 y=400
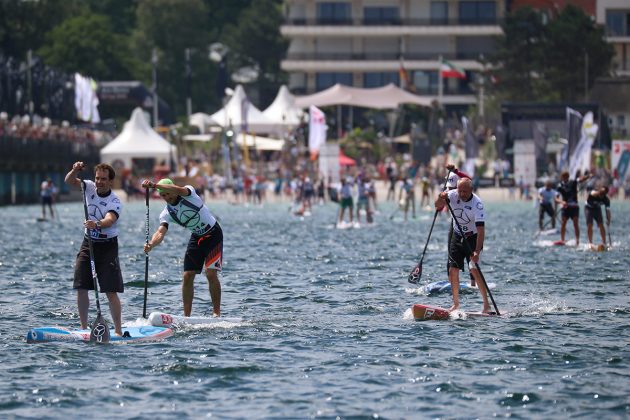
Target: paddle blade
x=100 y=331
x=415 y=274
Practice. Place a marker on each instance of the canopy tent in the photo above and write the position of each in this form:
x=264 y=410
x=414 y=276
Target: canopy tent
x=283 y=110
x=137 y=140
x=259 y=143
x=385 y=97
x=201 y=121
x=238 y=107
x=345 y=160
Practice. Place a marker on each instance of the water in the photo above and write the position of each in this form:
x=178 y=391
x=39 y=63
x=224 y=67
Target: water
x=327 y=331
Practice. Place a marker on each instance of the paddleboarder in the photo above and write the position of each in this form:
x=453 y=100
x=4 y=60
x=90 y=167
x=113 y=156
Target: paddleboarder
x=547 y=198
x=104 y=209
x=468 y=210
x=48 y=192
x=568 y=200
x=205 y=247
x=593 y=210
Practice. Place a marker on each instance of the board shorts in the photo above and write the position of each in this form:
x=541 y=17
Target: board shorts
x=346 y=202
x=362 y=202
x=545 y=208
x=570 y=212
x=457 y=251
x=593 y=213
x=106 y=263
x=47 y=200
x=205 y=251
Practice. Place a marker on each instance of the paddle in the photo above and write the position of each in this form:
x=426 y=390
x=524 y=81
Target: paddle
x=609 y=238
x=468 y=250
x=416 y=273
x=100 y=330
x=146 y=255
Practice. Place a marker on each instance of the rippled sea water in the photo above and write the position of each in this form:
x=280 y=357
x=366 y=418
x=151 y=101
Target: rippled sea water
x=327 y=329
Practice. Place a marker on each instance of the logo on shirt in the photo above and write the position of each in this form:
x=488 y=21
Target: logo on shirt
x=480 y=205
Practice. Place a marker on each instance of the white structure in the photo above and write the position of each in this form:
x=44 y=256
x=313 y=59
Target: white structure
x=137 y=141
x=364 y=43
x=283 y=110
x=240 y=114
x=614 y=15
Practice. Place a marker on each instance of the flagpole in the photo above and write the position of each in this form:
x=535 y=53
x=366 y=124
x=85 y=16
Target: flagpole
x=441 y=81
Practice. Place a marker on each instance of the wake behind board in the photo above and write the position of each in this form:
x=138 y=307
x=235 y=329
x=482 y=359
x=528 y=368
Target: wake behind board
x=136 y=334
x=425 y=312
x=160 y=319
x=444 y=286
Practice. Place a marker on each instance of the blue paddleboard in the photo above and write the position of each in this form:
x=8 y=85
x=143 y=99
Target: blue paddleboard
x=136 y=334
x=444 y=286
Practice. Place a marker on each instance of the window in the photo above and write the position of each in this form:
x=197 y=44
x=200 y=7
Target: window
x=439 y=13
x=334 y=13
x=372 y=80
x=326 y=80
x=621 y=120
x=426 y=82
x=380 y=15
x=617 y=23
x=477 y=12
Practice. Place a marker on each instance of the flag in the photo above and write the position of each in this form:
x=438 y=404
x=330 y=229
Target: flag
x=447 y=69
x=581 y=156
x=405 y=82
x=574 y=123
x=317 y=129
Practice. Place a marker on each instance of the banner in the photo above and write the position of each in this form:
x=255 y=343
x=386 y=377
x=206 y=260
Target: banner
x=580 y=159
x=620 y=159
x=317 y=129
x=85 y=99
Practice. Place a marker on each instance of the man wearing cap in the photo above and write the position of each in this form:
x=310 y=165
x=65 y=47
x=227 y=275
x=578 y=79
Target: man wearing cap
x=205 y=247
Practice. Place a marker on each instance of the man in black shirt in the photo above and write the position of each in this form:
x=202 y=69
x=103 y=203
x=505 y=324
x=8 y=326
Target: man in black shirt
x=593 y=210
x=568 y=200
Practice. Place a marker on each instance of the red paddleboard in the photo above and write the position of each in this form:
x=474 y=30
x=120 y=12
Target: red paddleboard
x=426 y=312
x=559 y=243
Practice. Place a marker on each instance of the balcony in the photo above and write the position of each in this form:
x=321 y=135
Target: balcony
x=384 y=56
x=393 y=22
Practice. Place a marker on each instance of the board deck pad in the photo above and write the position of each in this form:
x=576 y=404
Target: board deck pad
x=426 y=312
x=160 y=319
x=136 y=334
x=444 y=286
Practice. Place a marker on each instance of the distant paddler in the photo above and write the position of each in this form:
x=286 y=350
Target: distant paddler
x=547 y=200
x=568 y=199
x=205 y=247
x=593 y=210
x=469 y=215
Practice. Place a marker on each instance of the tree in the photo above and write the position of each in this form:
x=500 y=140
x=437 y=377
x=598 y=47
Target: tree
x=87 y=44
x=535 y=61
x=256 y=39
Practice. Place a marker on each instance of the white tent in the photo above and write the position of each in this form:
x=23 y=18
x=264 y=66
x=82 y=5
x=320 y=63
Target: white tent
x=283 y=110
x=201 y=121
x=238 y=107
x=385 y=97
x=259 y=143
x=137 y=140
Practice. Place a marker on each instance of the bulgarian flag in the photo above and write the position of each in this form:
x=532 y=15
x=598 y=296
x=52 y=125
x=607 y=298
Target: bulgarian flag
x=447 y=69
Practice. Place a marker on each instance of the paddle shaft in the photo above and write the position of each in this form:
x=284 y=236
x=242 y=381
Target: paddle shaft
x=91 y=247
x=146 y=255
x=483 y=279
x=433 y=223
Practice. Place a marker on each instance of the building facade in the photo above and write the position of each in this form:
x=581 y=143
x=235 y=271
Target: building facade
x=370 y=43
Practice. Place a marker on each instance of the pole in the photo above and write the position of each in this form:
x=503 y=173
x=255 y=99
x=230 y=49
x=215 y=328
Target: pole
x=585 y=76
x=440 y=82
x=188 y=84
x=29 y=81
x=154 y=62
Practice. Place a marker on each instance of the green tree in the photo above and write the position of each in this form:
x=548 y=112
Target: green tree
x=172 y=26
x=87 y=44
x=573 y=36
x=256 y=39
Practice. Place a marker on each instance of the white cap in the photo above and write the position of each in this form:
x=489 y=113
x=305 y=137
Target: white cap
x=452 y=180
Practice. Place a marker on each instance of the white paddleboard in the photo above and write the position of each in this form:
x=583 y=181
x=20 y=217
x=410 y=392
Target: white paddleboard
x=160 y=319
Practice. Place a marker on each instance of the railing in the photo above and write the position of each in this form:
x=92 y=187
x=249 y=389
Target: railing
x=425 y=91
x=384 y=56
x=393 y=22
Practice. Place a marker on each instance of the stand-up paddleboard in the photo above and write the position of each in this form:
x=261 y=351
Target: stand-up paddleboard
x=425 y=312
x=160 y=319
x=444 y=286
x=130 y=334
x=547 y=232
x=560 y=243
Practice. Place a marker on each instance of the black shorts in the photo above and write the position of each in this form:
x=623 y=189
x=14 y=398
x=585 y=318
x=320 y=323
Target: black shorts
x=205 y=251
x=570 y=212
x=546 y=208
x=106 y=263
x=593 y=213
x=457 y=251
x=47 y=201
